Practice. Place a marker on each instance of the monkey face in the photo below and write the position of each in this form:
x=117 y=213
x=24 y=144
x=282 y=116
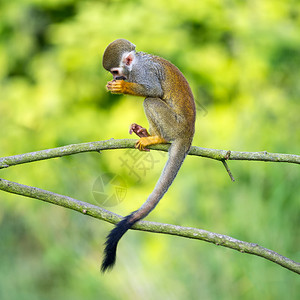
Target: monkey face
x=117 y=73
x=125 y=66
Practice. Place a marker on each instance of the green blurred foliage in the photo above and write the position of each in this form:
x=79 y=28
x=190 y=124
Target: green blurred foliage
x=242 y=60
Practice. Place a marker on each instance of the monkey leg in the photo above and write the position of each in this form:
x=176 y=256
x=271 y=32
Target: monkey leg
x=163 y=121
x=138 y=130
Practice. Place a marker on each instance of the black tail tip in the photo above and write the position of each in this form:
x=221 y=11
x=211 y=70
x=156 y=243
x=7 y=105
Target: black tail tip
x=110 y=251
x=108 y=263
x=112 y=243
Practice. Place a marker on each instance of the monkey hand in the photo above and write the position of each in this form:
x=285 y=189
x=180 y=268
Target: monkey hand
x=115 y=86
x=138 y=130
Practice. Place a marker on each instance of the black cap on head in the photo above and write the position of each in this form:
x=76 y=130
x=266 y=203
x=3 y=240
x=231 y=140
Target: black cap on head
x=114 y=51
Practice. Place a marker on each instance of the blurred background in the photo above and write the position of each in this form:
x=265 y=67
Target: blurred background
x=242 y=61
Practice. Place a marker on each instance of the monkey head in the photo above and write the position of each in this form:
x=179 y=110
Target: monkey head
x=118 y=58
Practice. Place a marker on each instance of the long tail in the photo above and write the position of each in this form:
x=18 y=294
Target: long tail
x=177 y=154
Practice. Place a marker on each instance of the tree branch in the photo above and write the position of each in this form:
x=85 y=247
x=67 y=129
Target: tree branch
x=102 y=214
x=220 y=155
x=188 y=232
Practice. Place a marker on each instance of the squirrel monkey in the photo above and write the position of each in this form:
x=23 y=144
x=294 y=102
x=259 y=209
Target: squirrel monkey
x=170 y=109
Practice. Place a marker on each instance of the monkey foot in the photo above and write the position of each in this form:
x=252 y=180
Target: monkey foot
x=138 y=130
x=147 y=141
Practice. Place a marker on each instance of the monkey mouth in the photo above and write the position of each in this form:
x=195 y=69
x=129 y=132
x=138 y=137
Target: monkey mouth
x=120 y=78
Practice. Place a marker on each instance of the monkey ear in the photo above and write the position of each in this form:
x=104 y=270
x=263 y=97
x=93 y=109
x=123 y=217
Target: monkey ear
x=128 y=59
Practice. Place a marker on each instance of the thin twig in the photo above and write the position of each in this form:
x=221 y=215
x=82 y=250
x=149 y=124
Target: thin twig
x=188 y=232
x=228 y=170
x=227 y=156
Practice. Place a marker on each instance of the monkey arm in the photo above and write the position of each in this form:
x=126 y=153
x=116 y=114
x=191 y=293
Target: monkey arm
x=132 y=88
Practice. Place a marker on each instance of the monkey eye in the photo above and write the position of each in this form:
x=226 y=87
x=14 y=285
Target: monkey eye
x=115 y=72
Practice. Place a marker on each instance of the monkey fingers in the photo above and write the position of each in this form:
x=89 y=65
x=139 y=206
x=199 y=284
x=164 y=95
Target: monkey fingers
x=115 y=86
x=138 y=130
